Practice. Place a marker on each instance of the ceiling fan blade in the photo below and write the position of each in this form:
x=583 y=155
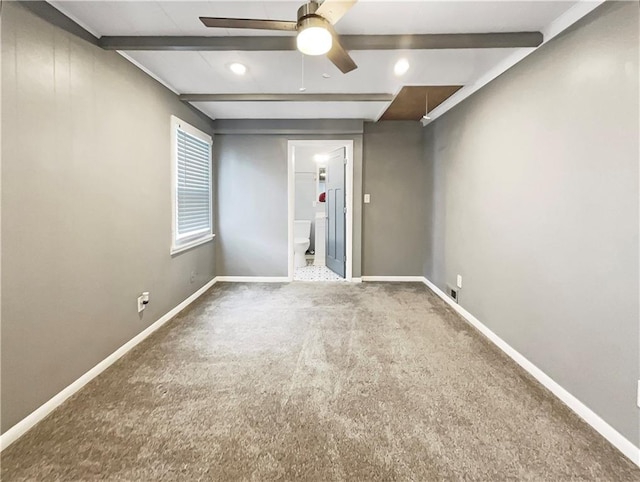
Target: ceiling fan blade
x=249 y=23
x=339 y=56
x=333 y=10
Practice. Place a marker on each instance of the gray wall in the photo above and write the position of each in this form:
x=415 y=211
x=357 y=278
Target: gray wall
x=251 y=162
x=394 y=174
x=86 y=208
x=534 y=184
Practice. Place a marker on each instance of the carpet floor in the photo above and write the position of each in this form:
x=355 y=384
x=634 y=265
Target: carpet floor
x=315 y=381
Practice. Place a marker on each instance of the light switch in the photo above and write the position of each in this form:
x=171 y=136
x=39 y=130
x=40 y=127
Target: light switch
x=367 y=198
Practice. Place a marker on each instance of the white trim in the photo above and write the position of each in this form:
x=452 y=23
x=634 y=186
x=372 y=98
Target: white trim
x=406 y=279
x=20 y=428
x=328 y=143
x=568 y=18
x=564 y=21
x=192 y=240
x=197 y=242
x=252 y=279
x=291 y=207
x=356 y=280
x=603 y=428
x=349 y=194
x=177 y=123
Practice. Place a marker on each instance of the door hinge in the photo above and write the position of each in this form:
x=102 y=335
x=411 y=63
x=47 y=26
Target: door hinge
x=345 y=161
x=344 y=210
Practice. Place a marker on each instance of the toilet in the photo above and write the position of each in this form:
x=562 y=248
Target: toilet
x=301 y=242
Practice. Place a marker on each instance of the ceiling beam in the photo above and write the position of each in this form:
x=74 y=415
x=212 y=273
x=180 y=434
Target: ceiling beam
x=286 y=97
x=350 y=42
x=55 y=17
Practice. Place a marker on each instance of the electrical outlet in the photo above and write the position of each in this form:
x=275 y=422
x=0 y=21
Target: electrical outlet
x=459 y=281
x=367 y=198
x=143 y=301
x=141 y=305
x=453 y=293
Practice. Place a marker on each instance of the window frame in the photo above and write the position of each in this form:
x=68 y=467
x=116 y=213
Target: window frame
x=184 y=243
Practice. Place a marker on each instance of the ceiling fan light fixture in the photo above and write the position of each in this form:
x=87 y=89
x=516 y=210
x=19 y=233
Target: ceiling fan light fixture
x=313 y=37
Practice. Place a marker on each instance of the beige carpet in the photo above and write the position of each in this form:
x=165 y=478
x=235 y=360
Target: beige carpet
x=315 y=381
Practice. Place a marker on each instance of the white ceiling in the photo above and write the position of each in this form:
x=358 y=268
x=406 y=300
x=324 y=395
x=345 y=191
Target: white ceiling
x=366 y=17
x=280 y=72
x=292 y=110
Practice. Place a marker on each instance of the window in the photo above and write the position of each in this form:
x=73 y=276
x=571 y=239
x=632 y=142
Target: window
x=191 y=160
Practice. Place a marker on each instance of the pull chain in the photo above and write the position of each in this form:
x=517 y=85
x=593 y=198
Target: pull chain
x=302 y=87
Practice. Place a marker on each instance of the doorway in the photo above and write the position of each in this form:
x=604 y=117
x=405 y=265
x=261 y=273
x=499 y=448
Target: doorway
x=325 y=168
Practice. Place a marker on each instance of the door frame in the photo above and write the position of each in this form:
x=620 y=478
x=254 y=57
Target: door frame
x=291 y=196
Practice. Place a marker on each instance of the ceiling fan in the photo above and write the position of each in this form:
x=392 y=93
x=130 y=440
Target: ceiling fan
x=316 y=35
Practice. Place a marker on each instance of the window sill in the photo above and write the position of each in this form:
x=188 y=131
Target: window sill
x=185 y=247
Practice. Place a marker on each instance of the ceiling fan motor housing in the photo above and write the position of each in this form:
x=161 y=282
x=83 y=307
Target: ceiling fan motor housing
x=307 y=17
x=307 y=9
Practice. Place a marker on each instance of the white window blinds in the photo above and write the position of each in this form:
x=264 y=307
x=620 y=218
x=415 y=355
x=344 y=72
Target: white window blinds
x=192 y=195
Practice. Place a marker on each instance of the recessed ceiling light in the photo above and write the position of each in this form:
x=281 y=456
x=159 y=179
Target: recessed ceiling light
x=321 y=157
x=401 y=67
x=238 y=68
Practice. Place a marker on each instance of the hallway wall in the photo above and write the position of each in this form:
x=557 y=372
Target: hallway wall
x=534 y=201
x=251 y=162
x=86 y=208
x=394 y=174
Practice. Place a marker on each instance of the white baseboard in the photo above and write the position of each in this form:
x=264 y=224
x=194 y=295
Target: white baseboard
x=19 y=429
x=253 y=279
x=356 y=280
x=405 y=279
x=607 y=431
